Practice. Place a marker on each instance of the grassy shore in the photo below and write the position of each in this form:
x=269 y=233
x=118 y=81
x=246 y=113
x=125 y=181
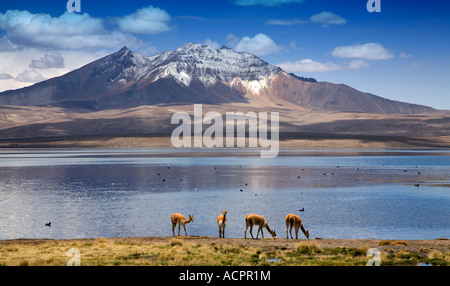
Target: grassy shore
x=200 y=251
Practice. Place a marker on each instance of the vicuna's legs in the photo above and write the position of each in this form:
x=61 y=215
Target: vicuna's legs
x=288 y=226
x=222 y=230
x=173 y=228
x=262 y=233
x=222 y=223
x=251 y=228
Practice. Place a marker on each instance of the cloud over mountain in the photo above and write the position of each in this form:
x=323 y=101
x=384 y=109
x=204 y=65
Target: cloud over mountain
x=259 y=45
x=358 y=64
x=30 y=76
x=147 y=20
x=68 y=31
x=308 y=65
x=53 y=60
x=5 y=76
x=368 y=51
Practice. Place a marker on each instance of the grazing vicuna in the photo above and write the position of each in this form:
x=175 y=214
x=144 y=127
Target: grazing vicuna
x=222 y=222
x=179 y=219
x=253 y=219
x=293 y=220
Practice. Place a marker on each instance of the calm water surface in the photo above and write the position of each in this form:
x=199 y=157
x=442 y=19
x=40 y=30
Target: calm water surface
x=133 y=192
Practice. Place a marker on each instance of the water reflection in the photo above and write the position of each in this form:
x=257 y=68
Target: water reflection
x=120 y=193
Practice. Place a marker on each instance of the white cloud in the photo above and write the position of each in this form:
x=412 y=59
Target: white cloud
x=30 y=76
x=327 y=18
x=5 y=76
x=147 y=50
x=369 y=51
x=293 y=45
x=265 y=2
x=404 y=55
x=15 y=62
x=68 y=31
x=212 y=43
x=147 y=20
x=7 y=46
x=53 y=60
x=279 y=22
x=308 y=65
x=232 y=40
x=259 y=45
x=358 y=64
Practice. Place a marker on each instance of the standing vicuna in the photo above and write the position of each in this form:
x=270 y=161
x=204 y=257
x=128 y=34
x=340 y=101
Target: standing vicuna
x=179 y=219
x=293 y=220
x=222 y=222
x=253 y=219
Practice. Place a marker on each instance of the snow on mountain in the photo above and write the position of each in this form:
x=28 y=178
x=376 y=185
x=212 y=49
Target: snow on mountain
x=195 y=73
x=123 y=65
x=210 y=65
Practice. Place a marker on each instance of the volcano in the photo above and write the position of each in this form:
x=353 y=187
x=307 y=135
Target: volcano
x=195 y=73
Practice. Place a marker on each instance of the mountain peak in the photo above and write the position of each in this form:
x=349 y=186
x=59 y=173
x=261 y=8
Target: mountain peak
x=123 y=53
x=124 y=49
x=210 y=65
x=193 y=45
x=123 y=64
x=195 y=73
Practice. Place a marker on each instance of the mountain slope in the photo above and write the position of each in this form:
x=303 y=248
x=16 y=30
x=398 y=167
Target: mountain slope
x=195 y=73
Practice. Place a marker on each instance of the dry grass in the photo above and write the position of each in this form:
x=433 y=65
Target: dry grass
x=118 y=251
x=209 y=251
x=392 y=242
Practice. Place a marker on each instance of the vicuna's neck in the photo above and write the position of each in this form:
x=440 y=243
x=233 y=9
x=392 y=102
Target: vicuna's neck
x=304 y=231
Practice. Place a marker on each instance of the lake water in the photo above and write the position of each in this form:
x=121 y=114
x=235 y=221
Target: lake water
x=88 y=193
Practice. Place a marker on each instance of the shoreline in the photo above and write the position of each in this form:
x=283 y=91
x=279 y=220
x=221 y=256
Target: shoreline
x=287 y=140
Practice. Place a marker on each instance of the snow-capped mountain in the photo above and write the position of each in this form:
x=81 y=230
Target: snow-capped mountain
x=195 y=73
x=204 y=63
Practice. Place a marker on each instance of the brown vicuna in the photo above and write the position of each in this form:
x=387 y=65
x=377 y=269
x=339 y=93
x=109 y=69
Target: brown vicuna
x=222 y=222
x=179 y=219
x=253 y=219
x=293 y=220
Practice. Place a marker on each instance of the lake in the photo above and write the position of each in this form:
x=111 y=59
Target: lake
x=89 y=193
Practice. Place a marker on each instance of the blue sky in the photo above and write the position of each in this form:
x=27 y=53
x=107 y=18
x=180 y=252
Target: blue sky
x=401 y=53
